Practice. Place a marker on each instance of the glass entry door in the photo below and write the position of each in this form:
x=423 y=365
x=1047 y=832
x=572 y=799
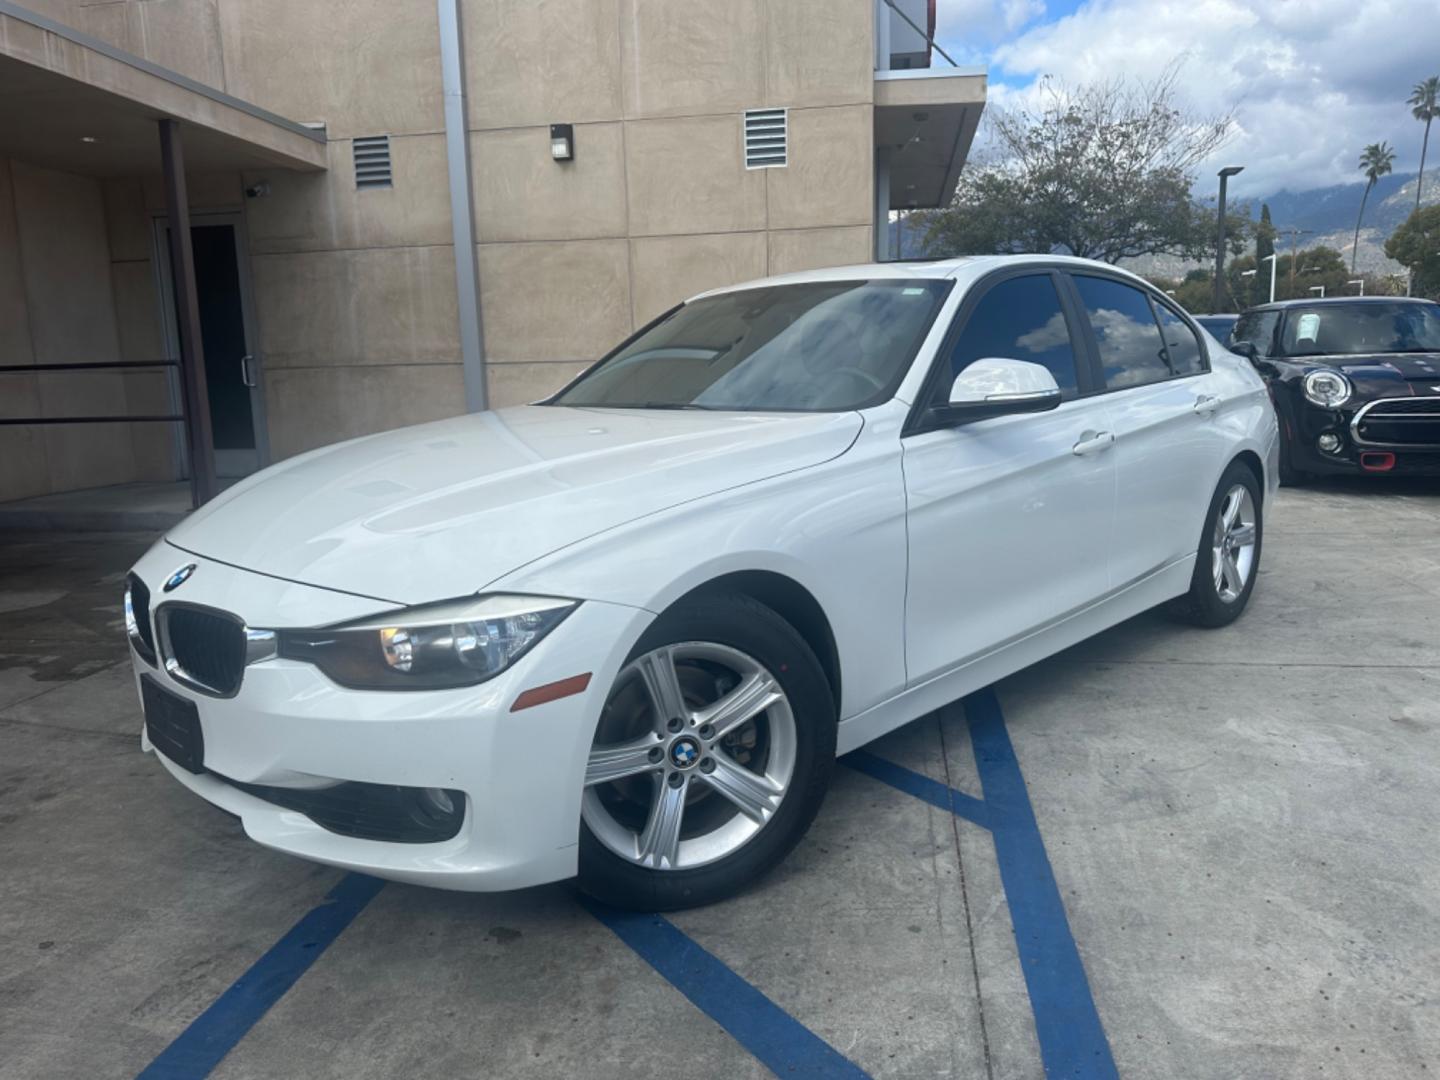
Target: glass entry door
x=232 y=364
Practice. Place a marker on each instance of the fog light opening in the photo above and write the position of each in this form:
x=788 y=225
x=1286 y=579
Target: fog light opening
x=1376 y=461
x=1329 y=442
x=438 y=803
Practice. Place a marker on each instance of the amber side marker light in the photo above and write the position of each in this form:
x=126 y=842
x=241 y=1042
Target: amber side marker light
x=539 y=695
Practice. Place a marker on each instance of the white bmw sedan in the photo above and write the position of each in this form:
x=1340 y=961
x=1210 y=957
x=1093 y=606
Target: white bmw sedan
x=623 y=633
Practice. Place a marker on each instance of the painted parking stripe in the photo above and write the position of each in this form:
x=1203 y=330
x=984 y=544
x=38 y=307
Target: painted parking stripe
x=922 y=787
x=1072 y=1040
x=1067 y=1025
x=781 y=1043
x=214 y=1033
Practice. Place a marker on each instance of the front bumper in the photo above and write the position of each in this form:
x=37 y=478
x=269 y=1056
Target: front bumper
x=1304 y=425
x=288 y=726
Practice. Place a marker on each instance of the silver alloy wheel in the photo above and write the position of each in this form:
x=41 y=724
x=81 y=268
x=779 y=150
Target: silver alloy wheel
x=705 y=751
x=1232 y=543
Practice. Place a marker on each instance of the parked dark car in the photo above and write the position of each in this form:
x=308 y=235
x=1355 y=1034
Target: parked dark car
x=1217 y=326
x=1356 y=382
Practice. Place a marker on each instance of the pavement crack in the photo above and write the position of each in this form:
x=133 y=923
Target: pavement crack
x=965 y=904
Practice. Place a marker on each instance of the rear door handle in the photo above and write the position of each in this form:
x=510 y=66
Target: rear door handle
x=1093 y=443
x=1206 y=404
x=247 y=370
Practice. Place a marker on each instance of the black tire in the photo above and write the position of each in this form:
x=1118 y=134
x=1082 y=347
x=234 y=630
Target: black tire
x=742 y=623
x=1203 y=604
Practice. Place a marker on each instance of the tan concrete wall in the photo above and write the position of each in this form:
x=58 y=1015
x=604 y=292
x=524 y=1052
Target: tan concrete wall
x=656 y=93
x=354 y=290
x=57 y=306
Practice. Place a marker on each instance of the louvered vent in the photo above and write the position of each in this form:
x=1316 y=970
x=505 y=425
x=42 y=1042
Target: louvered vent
x=764 y=138
x=372 y=161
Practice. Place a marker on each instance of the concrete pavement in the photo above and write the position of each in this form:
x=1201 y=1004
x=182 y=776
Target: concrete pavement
x=1240 y=824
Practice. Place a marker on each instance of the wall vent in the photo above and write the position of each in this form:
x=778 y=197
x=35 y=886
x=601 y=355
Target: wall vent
x=372 y=161
x=765 y=138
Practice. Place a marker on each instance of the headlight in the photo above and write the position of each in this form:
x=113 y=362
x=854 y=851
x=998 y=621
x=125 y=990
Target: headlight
x=433 y=647
x=1328 y=389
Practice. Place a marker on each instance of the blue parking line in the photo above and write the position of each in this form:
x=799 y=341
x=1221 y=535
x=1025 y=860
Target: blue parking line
x=1072 y=1039
x=784 y=1045
x=214 y=1033
x=1067 y=1025
x=922 y=787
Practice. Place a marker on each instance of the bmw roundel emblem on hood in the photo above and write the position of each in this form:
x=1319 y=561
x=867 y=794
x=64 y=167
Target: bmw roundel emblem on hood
x=179 y=577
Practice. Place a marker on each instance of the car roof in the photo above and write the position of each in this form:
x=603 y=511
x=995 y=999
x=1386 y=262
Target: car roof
x=1281 y=305
x=970 y=266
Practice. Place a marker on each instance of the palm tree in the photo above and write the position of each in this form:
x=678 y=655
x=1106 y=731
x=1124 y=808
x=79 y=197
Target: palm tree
x=1375 y=161
x=1425 y=99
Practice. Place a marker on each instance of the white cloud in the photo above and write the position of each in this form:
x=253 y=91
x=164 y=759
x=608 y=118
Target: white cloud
x=1310 y=81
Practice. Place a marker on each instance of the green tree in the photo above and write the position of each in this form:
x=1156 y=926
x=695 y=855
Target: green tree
x=1375 y=161
x=1103 y=171
x=1416 y=244
x=1264 y=248
x=1425 y=106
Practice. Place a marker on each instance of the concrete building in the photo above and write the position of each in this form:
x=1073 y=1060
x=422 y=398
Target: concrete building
x=380 y=231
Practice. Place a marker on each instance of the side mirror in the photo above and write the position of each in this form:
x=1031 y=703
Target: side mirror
x=1244 y=348
x=996 y=386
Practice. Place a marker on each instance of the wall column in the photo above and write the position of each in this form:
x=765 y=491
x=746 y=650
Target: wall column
x=203 y=487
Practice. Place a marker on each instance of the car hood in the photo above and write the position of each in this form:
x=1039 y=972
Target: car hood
x=1423 y=368
x=442 y=509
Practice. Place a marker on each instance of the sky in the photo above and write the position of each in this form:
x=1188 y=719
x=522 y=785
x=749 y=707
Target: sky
x=1310 y=82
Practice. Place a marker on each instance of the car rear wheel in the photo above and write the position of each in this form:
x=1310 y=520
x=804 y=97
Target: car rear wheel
x=711 y=758
x=1228 y=559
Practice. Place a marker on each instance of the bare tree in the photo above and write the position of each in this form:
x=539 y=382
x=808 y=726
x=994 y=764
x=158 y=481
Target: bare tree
x=1102 y=171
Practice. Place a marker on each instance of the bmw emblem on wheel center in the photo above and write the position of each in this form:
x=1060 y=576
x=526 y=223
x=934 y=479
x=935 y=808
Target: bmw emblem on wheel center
x=684 y=753
x=179 y=577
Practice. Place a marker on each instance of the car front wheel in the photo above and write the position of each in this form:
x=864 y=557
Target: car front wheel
x=710 y=760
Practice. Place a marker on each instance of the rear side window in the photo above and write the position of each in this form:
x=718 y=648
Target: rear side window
x=1258 y=328
x=1019 y=319
x=1132 y=353
x=1181 y=342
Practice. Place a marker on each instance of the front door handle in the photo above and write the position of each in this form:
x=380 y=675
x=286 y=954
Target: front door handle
x=1092 y=442
x=1206 y=404
x=247 y=370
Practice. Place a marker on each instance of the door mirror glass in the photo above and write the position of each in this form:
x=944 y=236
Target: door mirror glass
x=996 y=386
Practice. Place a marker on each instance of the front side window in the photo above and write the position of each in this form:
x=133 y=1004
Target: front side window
x=1181 y=343
x=1019 y=319
x=821 y=346
x=1132 y=352
x=1257 y=328
x=1358 y=329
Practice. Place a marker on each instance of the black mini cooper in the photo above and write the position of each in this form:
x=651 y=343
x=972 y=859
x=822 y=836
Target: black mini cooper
x=1356 y=382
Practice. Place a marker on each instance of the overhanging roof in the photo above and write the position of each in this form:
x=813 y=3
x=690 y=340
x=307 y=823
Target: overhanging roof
x=926 y=118
x=75 y=103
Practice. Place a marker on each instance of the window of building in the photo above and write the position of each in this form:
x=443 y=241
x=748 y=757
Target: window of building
x=1019 y=319
x=1132 y=352
x=1186 y=357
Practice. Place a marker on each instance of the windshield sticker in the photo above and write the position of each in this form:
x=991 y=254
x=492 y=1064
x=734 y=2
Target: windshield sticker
x=1309 y=327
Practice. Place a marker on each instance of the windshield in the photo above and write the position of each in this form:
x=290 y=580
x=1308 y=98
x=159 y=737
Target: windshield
x=1356 y=329
x=820 y=346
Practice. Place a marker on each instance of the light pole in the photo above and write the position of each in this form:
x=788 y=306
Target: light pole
x=1358 y=281
x=1219 y=299
x=1272 y=259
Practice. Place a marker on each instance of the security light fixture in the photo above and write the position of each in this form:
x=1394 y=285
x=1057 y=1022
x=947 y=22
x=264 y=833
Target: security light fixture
x=88 y=138
x=562 y=142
